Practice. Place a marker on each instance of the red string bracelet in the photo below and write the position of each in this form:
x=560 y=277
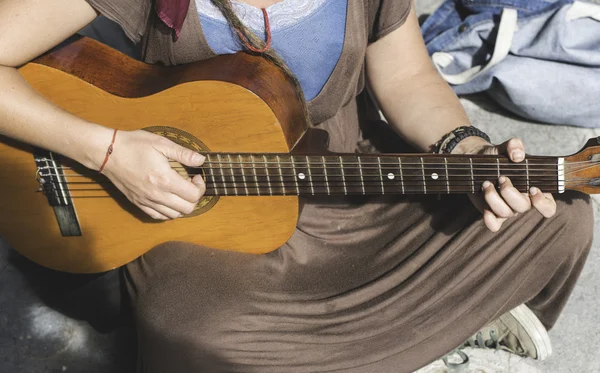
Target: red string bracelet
x=267 y=28
x=109 y=151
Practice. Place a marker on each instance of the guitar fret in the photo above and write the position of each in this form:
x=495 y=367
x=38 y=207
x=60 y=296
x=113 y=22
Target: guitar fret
x=380 y=175
x=312 y=189
x=254 y=172
x=232 y=175
x=295 y=175
x=326 y=179
x=267 y=172
x=362 y=181
x=212 y=174
x=423 y=169
x=401 y=174
x=527 y=171
x=222 y=174
x=560 y=165
x=343 y=175
x=243 y=174
x=498 y=164
x=472 y=176
x=447 y=177
x=280 y=175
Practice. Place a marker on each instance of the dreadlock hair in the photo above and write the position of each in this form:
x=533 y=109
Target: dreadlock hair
x=256 y=42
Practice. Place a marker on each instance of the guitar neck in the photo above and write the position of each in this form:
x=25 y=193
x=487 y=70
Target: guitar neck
x=244 y=174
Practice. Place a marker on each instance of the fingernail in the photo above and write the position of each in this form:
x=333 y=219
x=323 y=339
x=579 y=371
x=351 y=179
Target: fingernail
x=502 y=179
x=486 y=184
x=198 y=158
x=518 y=156
x=533 y=191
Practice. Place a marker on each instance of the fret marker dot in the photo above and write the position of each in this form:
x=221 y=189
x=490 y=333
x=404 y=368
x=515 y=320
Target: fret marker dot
x=301 y=176
x=391 y=176
x=434 y=176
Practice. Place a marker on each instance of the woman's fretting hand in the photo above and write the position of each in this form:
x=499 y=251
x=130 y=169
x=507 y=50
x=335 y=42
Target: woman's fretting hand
x=498 y=205
x=139 y=167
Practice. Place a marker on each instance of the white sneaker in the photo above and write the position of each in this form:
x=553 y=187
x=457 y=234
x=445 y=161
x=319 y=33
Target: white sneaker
x=518 y=331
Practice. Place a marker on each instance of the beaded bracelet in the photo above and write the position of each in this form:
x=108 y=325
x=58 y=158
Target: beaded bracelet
x=451 y=139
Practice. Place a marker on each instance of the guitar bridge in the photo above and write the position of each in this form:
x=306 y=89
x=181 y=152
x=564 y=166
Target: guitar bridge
x=53 y=184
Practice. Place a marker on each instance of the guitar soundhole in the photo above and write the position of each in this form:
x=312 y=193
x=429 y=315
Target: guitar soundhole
x=189 y=141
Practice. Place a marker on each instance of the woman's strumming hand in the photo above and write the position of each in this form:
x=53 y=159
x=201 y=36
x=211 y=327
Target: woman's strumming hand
x=499 y=204
x=139 y=167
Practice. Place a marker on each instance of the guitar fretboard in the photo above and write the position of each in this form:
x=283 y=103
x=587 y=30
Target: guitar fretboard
x=244 y=174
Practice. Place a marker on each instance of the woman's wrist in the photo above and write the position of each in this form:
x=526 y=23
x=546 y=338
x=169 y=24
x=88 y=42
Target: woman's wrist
x=95 y=140
x=470 y=145
x=462 y=138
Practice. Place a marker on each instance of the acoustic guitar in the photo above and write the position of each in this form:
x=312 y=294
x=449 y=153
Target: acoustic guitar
x=243 y=113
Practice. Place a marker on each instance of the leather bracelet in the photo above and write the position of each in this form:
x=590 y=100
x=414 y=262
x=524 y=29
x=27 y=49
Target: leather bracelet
x=452 y=138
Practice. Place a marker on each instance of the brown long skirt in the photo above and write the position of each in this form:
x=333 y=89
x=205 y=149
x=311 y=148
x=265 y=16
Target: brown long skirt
x=364 y=285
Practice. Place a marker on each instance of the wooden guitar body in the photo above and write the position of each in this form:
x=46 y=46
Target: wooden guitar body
x=243 y=113
x=237 y=103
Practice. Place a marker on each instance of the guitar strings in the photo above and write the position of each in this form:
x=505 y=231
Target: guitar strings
x=228 y=172
x=334 y=166
x=339 y=184
x=407 y=186
x=383 y=175
x=336 y=163
x=239 y=172
x=409 y=183
x=350 y=187
x=372 y=185
x=316 y=168
x=278 y=183
x=316 y=191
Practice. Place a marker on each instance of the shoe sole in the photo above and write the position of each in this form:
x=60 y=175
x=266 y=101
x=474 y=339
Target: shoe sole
x=534 y=327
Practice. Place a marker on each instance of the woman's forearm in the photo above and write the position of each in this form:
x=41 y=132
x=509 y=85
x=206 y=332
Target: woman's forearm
x=28 y=117
x=414 y=98
x=423 y=109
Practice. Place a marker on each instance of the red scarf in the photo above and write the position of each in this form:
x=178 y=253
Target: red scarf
x=172 y=13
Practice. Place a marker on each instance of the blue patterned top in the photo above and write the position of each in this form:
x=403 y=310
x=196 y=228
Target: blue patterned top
x=307 y=34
